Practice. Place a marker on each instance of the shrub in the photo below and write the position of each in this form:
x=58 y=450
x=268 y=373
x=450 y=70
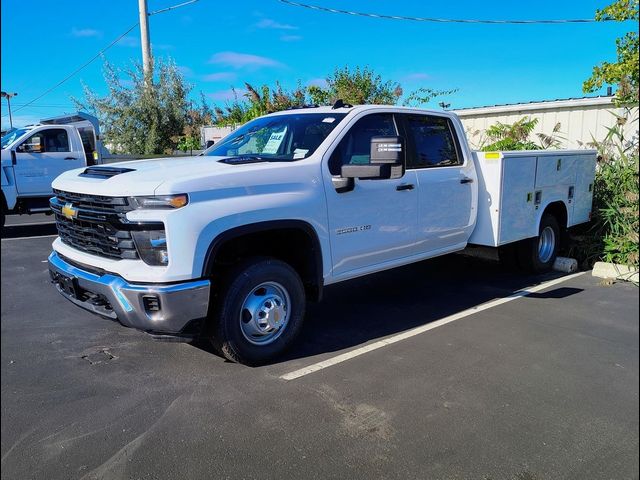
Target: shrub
x=612 y=235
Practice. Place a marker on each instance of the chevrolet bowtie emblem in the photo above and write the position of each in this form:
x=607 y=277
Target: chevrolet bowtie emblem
x=69 y=212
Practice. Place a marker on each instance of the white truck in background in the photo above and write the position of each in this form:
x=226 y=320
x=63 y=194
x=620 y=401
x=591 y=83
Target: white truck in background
x=33 y=156
x=230 y=245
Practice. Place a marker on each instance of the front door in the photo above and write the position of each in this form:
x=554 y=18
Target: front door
x=375 y=223
x=41 y=158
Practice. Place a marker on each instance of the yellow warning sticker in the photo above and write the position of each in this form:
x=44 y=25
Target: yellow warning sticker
x=492 y=155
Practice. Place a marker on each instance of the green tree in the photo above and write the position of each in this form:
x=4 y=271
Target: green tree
x=257 y=102
x=517 y=136
x=623 y=72
x=355 y=86
x=358 y=86
x=138 y=116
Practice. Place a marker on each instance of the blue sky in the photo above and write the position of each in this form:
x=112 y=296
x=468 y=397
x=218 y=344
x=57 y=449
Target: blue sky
x=220 y=44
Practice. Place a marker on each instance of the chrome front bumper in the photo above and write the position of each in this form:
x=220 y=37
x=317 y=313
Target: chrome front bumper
x=154 y=308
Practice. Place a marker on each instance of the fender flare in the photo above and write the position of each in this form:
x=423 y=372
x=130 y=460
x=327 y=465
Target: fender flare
x=266 y=226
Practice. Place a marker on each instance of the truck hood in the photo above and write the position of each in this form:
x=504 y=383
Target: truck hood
x=160 y=176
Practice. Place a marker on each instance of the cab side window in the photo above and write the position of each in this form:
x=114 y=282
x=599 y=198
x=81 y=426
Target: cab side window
x=434 y=142
x=355 y=146
x=46 y=141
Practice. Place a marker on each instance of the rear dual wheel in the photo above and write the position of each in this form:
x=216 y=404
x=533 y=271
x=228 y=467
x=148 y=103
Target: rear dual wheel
x=259 y=312
x=538 y=254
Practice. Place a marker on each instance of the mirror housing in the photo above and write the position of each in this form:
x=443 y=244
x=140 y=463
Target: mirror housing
x=366 y=171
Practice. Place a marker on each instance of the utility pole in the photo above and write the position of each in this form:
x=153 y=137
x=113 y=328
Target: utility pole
x=147 y=59
x=8 y=96
x=145 y=37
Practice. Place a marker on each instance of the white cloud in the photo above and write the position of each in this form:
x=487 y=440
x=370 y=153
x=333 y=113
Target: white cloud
x=290 y=38
x=317 y=82
x=243 y=60
x=85 y=32
x=186 y=71
x=220 y=77
x=417 y=76
x=268 y=23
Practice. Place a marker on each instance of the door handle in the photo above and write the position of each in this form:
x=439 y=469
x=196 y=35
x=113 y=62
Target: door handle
x=405 y=186
x=466 y=180
x=70 y=158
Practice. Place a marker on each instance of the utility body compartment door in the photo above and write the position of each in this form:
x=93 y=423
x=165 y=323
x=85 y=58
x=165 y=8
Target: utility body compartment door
x=517 y=214
x=583 y=195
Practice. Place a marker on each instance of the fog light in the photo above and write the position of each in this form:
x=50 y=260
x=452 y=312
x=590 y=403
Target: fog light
x=151 y=303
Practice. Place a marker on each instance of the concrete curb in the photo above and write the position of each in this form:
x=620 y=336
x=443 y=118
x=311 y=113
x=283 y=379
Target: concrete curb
x=615 y=271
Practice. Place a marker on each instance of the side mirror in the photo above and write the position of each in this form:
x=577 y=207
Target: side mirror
x=209 y=143
x=386 y=160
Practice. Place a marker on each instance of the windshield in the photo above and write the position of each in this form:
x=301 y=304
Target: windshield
x=279 y=138
x=11 y=136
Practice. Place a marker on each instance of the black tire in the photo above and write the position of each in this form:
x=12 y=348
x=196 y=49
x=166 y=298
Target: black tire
x=229 y=321
x=532 y=256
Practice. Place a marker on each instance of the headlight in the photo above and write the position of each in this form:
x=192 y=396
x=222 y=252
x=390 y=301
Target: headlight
x=160 y=202
x=152 y=246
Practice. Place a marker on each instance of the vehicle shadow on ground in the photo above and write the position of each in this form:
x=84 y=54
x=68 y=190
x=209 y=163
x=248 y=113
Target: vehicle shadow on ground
x=358 y=311
x=19 y=231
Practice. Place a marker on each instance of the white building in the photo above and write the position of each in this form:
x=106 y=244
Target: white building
x=581 y=119
x=214 y=134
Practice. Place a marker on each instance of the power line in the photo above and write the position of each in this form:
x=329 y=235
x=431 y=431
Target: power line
x=97 y=55
x=435 y=20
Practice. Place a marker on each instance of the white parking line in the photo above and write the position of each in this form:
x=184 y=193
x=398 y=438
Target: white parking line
x=27 y=238
x=424 y=328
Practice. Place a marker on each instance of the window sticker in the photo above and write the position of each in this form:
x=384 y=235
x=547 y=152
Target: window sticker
x=329 y=119
x=274 y=142
x=299 y=153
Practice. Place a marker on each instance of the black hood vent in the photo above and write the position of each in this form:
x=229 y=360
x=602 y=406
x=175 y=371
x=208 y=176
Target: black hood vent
x=104 y=172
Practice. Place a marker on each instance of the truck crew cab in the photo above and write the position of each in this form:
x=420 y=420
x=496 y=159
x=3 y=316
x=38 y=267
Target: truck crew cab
x=231 y=244
x=33 y=156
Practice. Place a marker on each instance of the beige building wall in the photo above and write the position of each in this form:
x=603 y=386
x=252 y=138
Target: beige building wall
x=581 y=120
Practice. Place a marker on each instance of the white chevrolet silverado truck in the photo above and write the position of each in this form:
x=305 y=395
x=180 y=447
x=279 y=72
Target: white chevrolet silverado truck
x=230 y=245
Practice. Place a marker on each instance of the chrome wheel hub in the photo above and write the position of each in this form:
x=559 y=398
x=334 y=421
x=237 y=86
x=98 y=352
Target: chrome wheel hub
x=546 y=244
x=265 y=313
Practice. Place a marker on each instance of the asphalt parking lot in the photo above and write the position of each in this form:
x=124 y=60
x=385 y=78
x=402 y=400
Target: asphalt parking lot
x=544 y=386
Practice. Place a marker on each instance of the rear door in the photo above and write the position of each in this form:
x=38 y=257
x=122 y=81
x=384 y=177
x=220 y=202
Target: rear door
x=447 y=183
x=41 y=157
x=374 y=223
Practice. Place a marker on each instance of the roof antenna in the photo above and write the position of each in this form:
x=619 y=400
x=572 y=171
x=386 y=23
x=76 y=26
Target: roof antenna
x=340 y=104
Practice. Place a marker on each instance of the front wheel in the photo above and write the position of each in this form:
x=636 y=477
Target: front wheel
x=538 y=254
x=259 y=313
